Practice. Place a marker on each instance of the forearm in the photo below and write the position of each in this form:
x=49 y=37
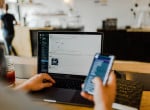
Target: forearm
x=102 y=107
x=25 y=87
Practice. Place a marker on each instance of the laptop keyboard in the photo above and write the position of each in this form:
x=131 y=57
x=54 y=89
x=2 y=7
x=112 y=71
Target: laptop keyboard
x=129 y=93
x=68 y=83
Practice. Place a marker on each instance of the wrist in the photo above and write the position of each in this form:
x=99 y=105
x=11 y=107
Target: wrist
x=102 y=107
x=25 y=87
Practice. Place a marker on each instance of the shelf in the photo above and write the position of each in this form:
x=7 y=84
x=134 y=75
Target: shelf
x=26 y=4
x=51 y=14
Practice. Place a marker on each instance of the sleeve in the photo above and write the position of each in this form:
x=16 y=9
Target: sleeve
x=18 y=101
x=1 y=17
x=13 y=18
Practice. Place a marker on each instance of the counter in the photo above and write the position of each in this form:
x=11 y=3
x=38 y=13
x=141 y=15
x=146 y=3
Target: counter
x=25 y=35
x=130 y=44
x=139 y=30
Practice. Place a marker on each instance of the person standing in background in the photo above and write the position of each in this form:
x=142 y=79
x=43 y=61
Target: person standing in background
x=7 y=22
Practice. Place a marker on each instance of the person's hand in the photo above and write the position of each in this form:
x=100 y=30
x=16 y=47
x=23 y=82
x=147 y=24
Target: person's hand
x=36 y=83
x=104 y=96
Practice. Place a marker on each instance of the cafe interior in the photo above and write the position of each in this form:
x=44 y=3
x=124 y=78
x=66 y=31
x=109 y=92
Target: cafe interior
x=125 y=25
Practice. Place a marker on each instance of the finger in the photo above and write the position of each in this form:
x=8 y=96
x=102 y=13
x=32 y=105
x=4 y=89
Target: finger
x=98 y=85
x=51 y=79
x=112 y=83
x=87 y=96
x=97 y=81
x=112 y=80
x=47 y=85
x=82 y=85
x=98 y=89
x=48 y=77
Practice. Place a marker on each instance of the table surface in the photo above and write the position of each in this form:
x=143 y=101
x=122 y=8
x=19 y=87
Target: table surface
x=145 y=102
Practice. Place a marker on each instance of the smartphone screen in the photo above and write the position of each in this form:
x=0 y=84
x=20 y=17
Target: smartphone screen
x=100 y=67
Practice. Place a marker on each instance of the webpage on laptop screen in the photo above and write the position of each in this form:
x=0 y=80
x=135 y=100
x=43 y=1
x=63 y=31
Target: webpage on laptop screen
x=70 y=53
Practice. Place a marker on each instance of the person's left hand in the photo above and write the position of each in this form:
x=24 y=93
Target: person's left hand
x=36 y=83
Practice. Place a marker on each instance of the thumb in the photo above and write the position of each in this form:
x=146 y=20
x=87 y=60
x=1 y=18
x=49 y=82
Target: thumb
x=47 y=85
x=98 y=87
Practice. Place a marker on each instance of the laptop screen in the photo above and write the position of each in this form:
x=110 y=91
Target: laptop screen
x=67 y=52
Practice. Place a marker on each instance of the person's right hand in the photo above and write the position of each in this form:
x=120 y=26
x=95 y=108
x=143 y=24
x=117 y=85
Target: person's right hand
x=104 y=96
x=36 y=83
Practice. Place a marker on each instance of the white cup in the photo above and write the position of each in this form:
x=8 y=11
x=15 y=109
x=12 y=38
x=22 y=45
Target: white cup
x=25 y=70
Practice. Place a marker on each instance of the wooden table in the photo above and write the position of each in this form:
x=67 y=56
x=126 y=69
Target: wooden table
x=145 y=104
x=118 y=65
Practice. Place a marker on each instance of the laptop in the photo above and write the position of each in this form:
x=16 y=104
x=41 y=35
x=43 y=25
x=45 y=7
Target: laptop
x=67 y=57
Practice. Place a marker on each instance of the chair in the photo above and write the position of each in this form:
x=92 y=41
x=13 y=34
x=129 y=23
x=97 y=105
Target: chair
x=4 y=46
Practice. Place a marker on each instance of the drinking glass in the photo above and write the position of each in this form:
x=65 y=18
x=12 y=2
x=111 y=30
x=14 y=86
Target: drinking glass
x=10 y=72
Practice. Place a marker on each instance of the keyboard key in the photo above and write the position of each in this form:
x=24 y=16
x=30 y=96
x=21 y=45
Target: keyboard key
x=68 y=83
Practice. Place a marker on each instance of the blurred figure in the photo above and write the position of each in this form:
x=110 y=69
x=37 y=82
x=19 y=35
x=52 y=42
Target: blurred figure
x=103 y=97
x=35 y=83
x=14 y=100
x=7 y=22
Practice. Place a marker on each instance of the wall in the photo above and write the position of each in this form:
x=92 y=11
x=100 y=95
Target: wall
x=1 y=3
x=86 y=12
x=93 y=14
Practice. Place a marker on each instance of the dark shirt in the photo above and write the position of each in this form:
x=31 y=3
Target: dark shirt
x=7 y=20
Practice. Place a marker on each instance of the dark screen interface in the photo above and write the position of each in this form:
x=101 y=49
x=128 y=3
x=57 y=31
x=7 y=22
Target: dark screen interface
x=43 y=52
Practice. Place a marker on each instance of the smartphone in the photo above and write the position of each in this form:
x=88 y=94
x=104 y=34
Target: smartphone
x=101 y=67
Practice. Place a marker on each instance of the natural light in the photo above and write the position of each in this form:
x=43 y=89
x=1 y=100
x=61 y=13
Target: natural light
x=1 y=38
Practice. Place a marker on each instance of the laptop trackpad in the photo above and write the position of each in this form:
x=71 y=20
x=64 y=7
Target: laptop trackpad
x=60 y=94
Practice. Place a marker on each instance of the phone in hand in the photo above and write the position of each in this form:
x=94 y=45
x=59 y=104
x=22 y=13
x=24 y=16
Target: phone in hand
x=101 y=67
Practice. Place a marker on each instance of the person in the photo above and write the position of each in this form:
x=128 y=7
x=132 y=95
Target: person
x=7 y=22
x=102 y=98
x=14 y=99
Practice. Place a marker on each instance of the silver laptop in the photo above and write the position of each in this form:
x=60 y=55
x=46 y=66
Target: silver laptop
x=67 y=57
